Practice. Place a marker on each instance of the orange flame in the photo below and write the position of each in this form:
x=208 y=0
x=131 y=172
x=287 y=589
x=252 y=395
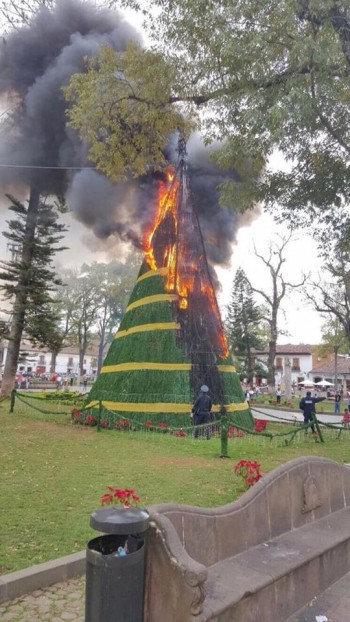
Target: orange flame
x=164 y=255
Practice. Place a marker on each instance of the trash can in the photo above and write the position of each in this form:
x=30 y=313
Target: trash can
x=115 y=579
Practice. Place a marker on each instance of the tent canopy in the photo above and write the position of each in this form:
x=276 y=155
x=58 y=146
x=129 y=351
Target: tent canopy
x=324 y=383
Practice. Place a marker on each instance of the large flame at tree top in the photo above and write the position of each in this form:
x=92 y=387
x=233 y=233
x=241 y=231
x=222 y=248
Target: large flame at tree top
x=174 y=241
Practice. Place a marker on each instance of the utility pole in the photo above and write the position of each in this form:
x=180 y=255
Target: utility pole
x=287 y=379
x=336 y=348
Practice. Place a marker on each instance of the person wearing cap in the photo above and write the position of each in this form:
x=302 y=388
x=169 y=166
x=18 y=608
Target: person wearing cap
x=201 y=410
x=307 y=405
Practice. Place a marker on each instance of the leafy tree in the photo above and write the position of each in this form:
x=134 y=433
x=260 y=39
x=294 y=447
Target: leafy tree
x=333 y=338
x=92 y=302
x=243 y=321
x=330 y=294
x=115 y=281
x=29 y=278
x=84 y=293
x=122 y=108
x=63 y=327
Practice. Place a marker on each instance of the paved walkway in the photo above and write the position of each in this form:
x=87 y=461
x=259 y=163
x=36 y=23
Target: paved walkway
x=62 y=602
x=291 y=415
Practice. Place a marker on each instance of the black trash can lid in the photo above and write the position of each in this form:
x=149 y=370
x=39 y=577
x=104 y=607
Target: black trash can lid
x=118 y=520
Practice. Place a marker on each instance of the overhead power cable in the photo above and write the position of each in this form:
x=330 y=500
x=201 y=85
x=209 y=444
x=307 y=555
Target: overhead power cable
x=62 y=168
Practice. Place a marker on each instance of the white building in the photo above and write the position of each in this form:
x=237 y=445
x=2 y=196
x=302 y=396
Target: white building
x=299 y=356
x=38 y=360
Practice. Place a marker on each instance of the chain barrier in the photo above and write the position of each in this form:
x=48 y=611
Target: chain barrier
x=260 y=412
x=25 y=397
x=224 y=426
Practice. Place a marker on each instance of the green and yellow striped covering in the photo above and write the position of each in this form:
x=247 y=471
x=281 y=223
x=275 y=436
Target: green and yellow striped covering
x=145 y=373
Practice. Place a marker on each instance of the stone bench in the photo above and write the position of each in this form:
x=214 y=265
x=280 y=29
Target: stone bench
x=258 y=559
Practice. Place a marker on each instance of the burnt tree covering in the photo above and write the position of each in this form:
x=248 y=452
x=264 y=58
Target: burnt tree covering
x=28 y=279
x=178 y=245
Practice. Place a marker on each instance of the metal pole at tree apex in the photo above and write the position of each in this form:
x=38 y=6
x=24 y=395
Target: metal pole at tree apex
x=181 y=147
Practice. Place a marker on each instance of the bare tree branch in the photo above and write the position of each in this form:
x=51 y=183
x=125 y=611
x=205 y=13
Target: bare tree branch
x=274 y=262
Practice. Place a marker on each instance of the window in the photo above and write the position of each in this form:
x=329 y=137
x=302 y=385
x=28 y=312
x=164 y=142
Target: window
x=42 y=359
x=279 y=362
x=70 y=362
x=296 y=364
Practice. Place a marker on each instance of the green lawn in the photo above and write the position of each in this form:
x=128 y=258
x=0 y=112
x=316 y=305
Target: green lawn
x=53 y=474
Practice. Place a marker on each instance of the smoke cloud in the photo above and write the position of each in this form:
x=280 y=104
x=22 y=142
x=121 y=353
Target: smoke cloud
x=35 y=62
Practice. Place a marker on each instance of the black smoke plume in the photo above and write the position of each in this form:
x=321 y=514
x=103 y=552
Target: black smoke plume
x=35 y=62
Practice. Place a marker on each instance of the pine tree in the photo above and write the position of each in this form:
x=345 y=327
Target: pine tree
x=29 y=279
x=243 y=323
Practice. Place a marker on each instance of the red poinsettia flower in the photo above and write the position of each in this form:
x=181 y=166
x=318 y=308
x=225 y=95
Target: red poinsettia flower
x=122 y=496
x=249 y=470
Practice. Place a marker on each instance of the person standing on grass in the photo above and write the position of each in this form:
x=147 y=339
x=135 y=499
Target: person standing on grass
x=278 y=395
x=337 y=400
x=307 y=405
x=201 y=410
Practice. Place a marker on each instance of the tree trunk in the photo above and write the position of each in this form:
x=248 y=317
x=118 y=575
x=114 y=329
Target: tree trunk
x=336 y=348
x=287 y=379
x=53 y=361
x=82 y=352
x=250 y=366
x=272 y=342
x=341 y=26
x=101 y=346
x=81 y=362
x=271 y=365
x=20 y=302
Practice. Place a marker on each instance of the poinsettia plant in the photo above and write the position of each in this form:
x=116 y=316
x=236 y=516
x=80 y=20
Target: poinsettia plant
x=249 y=470
x=120 y=496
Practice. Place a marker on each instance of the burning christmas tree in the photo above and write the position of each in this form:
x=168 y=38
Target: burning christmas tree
x=171 y=339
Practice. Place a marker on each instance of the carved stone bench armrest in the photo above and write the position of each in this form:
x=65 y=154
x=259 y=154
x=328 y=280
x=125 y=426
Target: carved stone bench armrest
x=194 y=573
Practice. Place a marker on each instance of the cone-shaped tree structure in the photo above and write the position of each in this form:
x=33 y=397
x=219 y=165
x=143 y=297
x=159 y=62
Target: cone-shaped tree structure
x=171 y=339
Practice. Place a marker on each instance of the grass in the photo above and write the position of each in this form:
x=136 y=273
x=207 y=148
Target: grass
x=53 y=474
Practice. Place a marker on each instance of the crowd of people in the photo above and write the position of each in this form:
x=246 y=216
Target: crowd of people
x=62 y=381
